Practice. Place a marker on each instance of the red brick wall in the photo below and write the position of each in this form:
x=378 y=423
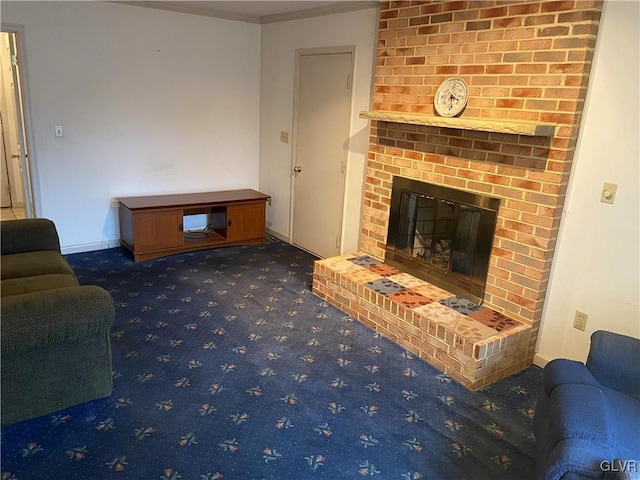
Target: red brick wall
x=522 y=61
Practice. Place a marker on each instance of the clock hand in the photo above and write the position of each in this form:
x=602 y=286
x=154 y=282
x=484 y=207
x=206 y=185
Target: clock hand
x=452 y=97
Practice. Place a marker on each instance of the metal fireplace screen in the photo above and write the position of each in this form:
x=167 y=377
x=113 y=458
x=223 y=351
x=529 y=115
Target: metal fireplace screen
x=442 y=235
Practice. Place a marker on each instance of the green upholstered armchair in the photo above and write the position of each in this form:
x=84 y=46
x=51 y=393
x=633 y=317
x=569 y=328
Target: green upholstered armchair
x=55 y=343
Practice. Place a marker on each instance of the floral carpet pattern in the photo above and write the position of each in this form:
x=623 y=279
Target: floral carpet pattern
x=227 y=366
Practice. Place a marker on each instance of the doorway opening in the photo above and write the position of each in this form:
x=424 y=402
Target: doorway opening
x=16 y=189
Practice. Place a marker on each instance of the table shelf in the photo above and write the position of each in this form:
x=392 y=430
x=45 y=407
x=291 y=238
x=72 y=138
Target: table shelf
x=153 y=226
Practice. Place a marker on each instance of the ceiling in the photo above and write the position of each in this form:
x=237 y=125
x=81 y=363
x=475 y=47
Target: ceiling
x=260 y=11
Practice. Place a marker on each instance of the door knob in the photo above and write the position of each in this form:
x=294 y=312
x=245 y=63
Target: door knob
x=297 y=169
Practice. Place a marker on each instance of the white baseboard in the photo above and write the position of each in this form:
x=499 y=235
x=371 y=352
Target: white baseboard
x=541 y=360
x=278 y=235
x=89 y=247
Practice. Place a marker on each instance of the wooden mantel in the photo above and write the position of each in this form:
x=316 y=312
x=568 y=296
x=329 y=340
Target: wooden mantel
x=482 y=124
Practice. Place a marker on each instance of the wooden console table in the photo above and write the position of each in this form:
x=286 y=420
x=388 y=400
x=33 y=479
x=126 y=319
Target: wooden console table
x=153 y=226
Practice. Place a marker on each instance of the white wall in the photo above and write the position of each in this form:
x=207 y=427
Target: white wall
x=597 y=262
x=152 y=102
x=279 y=44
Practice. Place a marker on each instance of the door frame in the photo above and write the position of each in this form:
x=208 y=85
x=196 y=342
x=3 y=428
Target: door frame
x=341 y=49
x=8 y=195
x=30 y=177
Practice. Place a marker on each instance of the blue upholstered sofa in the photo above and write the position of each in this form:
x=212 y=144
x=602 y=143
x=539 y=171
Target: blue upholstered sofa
x=587 y=420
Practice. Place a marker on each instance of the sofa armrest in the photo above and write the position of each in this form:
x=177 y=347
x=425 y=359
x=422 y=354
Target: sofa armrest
x=28 y=235
x=614 y=361
x=54 y=316
x=562 y=371
x=575 y=458
x=581 y=433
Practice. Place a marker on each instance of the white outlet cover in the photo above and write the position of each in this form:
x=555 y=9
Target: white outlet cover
x=608 y=194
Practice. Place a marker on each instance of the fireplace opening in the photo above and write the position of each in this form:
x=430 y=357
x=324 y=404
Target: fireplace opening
x=442 y=235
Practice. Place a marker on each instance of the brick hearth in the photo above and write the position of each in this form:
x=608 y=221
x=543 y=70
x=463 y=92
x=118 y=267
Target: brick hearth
x=472 y=343
x=523 y=61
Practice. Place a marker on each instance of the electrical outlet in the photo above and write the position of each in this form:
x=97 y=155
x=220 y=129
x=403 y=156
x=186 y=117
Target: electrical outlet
x=580 y=320
x=608 y=194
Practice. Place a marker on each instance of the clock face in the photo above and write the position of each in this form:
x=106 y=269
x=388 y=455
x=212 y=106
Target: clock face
x=451 y=97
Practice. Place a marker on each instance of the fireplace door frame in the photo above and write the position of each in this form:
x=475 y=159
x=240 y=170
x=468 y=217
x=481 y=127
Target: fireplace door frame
x=471 y=286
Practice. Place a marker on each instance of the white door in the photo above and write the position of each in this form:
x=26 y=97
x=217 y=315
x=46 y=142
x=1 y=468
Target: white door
x=321 y=136
x=22 y=152
x=14 y=125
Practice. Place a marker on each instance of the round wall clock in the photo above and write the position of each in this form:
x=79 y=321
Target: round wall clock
x=451 y=97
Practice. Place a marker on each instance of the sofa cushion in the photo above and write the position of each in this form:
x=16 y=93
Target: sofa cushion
x=28 y=235
x=39 y=283
x=614 y=362
x=31 y=264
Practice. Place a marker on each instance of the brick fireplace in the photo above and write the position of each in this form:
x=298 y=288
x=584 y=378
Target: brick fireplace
x=526 y=63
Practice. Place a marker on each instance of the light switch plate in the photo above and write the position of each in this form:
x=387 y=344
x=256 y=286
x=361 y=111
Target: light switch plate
x=284 y=137
x=609 y=193
x=58 y=131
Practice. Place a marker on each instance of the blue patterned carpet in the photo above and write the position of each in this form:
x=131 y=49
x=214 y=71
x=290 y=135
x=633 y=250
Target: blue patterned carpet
x=226 y=366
